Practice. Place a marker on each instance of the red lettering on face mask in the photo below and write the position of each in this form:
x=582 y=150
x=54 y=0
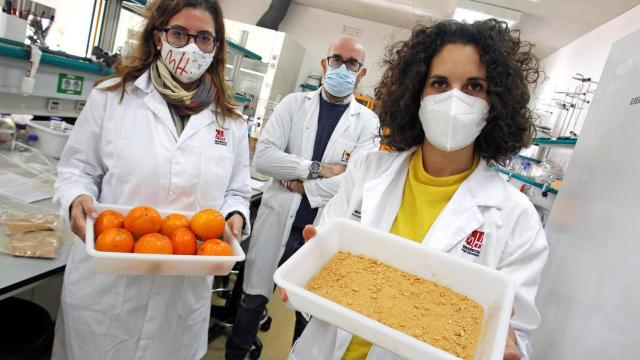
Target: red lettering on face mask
x=179 y=66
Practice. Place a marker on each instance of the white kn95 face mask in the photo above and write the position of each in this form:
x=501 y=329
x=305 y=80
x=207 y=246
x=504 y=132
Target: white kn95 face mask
x=452 y=120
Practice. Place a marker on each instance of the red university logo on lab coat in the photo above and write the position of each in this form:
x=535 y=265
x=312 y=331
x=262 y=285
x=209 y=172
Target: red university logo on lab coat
x=473 y=244
x=220 y=135
x=219 y=139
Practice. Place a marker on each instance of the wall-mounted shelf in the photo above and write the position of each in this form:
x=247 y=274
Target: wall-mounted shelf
x=62 y=82
x=309 y=87
x=237 y=48
x=17 y=50
x=526 y=180
x=554 y=142
x=241 y=98
x=135 y=6
x=535 y=161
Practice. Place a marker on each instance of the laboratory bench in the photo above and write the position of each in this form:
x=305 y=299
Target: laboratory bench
x=35 y=279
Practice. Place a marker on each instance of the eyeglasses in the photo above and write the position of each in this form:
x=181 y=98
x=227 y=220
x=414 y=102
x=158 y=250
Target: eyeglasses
x=336 y=61
x=179 y=37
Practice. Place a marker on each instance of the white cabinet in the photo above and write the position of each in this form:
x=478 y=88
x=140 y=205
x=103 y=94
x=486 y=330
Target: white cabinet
x=269 y=79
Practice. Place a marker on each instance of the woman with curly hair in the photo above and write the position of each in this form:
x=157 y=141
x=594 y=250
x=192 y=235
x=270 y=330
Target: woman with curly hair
x=453 y=99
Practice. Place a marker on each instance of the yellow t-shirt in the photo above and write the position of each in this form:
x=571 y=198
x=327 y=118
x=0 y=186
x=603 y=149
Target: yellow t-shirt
x=423 y=198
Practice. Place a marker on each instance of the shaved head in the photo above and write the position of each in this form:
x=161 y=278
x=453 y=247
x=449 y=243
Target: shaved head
x=348 y=48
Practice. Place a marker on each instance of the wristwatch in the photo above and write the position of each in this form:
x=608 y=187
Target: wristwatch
x=314 y=169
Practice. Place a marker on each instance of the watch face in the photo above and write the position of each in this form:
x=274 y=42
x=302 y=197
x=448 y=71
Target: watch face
x=315 y=166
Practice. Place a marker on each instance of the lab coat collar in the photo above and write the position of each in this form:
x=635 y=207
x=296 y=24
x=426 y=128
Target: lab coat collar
x=160 y=108
x=143 y=82
x=312 y=107
x=464 y=212
x=156 y=103
x=485 y=186
x=382 y=198
x=198 y=122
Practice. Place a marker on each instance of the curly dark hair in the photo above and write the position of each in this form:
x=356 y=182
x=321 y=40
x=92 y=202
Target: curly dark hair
x=511 y=68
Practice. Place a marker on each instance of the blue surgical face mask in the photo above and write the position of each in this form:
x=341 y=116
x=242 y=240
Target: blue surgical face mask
x=340 y=81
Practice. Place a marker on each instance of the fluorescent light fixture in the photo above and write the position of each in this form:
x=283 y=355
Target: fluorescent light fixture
x=470 y=11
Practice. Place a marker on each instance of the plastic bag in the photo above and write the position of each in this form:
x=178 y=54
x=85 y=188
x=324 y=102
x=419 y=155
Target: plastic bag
x=29 y=162
x=20 y=223
x=27 y=230
x=42 y=244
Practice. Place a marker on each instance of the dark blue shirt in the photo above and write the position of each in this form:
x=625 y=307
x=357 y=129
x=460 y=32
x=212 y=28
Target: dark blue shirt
x=328 y=117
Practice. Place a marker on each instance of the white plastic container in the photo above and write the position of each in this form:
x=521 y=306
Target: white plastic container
x=50 y=141
x=12 y=27
x=152 y=264
x=490 y=288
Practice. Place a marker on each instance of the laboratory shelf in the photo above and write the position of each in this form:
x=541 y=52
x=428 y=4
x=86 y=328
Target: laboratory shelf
x=554 y=142
x=241 y=98
x=535 y=161
x=526 y=180
x=135 y=6
x=309 y=87
x=17 y=50
x=242 y=50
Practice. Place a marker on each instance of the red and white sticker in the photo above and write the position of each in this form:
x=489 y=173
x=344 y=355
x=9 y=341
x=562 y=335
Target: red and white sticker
x=220 y=139
x=473 y=244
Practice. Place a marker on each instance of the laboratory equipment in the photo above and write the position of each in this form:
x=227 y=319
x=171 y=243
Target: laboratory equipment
x=588 y=296
x=52 y=135
x=267 y=72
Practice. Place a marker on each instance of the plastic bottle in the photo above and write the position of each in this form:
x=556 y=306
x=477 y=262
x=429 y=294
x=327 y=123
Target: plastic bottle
x=56 y=123
x=21 y=133
x=31 y=139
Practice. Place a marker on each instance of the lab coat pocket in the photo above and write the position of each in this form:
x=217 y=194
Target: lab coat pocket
x=215 y=172
x=84 y=287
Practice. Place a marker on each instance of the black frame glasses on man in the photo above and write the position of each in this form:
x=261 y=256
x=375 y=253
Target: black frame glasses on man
x=179 y=37
x=335 y=61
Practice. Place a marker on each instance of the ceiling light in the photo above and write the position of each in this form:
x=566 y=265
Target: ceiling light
x=470 y=11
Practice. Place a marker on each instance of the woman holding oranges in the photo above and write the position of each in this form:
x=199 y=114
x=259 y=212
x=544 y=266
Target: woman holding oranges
x=162 y=133
x=454 y=100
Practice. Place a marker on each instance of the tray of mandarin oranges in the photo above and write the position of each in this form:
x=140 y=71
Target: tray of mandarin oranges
x=142 y=240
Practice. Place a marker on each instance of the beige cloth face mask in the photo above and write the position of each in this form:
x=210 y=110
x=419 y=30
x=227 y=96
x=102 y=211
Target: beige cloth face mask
x=187 y=63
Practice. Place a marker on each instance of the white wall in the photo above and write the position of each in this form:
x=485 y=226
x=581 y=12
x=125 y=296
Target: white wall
x=315 y=30
x=586 y=55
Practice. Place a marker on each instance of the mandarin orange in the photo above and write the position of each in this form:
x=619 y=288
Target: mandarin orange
x=143 y=220
x=115 y=240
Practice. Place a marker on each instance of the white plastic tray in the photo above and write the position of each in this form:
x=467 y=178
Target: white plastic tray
x=490 y=288
x=152 y=264
x=50 y=141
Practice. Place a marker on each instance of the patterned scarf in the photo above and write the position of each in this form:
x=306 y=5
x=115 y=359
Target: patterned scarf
x=185 y=103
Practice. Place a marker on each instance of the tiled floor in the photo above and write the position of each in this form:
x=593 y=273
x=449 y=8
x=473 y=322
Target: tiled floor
x=276 y=342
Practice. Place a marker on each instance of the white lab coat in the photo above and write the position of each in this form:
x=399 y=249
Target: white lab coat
x=514 y=240
x=128 y=153
x=283 y=152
